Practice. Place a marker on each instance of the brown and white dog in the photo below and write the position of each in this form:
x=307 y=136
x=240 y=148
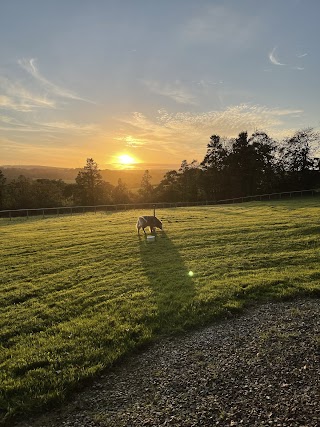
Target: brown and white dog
x=148 y=221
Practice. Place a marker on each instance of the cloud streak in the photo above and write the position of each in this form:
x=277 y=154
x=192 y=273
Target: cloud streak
x=26 y=97
x=70 y=127
x=273 y=59
x=30 y=66
x=18 y=98
x=14 y=125
x=178 y=132
x=27 y=103
x=177 y=91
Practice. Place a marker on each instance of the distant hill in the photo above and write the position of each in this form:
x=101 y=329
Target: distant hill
x=132 y=178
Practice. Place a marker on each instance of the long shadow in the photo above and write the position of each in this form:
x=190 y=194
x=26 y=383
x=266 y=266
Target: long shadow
x=170 y=281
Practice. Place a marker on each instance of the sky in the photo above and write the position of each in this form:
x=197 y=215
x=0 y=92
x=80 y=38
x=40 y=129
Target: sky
x=145 y=83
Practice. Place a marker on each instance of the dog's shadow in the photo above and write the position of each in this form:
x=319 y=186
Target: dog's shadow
x=170 y=281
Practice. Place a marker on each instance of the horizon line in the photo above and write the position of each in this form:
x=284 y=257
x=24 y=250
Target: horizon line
x=115 y=167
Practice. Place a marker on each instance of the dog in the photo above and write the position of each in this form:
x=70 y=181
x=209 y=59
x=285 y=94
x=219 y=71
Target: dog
x=148 y=221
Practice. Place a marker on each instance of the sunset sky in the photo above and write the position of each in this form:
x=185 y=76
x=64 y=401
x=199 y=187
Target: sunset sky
x=150 y=81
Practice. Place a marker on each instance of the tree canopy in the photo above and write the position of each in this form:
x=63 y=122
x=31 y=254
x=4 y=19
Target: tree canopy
x=232 y=167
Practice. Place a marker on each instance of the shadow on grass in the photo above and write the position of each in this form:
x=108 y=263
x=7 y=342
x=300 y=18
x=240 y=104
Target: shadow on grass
x=171 y=284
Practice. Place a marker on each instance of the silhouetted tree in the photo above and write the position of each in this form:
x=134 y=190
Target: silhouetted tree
x=168 y=188
x=71 y=194
x=216 y=154
x=90 y=183
x=47 y=193
x=240 y=164
x=263 y=165
x=146 y=188
x=19 y=193
x=90 y=188
x=214 y=166
x=297 y=161
x=189 y=181
x=238 y=167
x=106 y=190
x=232 y=167
x=120 y=193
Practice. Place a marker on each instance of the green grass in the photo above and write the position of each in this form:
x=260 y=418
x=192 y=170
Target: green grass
x=78 y=292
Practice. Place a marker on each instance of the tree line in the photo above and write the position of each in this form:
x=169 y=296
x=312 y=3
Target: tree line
x=232 y=167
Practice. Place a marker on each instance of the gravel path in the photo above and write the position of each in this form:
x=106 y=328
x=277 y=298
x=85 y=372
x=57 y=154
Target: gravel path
x=259 y=369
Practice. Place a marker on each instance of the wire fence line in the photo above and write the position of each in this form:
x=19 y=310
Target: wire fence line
x=72 y=210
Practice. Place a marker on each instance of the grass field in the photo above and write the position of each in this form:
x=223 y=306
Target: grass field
x=78 y=292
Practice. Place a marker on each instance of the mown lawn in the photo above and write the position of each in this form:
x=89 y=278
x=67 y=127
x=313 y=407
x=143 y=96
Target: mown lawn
x=78 y=292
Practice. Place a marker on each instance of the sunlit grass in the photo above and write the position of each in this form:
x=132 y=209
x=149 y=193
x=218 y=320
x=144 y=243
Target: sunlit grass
x=77 y=293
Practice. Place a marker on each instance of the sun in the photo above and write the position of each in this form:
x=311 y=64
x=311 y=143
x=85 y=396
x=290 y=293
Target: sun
x=125 y=159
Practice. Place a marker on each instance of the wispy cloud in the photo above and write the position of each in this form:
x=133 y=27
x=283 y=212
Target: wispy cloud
x=176 y=91
x=19 y=98
x=30 y=65
x=130 y=141
x=11 y=123
x=207 y=83
x=69 y=126
x=14 y=125
x=273 y=58
x=186 y=131
x=29 y=104
x=23 y=96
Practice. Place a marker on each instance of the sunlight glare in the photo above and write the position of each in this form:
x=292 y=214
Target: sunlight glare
x=125 y=159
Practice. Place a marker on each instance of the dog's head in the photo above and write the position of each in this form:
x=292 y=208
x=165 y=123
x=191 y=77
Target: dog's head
x=158 y=223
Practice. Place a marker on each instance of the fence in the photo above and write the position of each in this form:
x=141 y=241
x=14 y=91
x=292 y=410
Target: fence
x=71 y=210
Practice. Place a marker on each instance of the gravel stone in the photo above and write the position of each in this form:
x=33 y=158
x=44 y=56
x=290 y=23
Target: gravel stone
x=259 y=369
